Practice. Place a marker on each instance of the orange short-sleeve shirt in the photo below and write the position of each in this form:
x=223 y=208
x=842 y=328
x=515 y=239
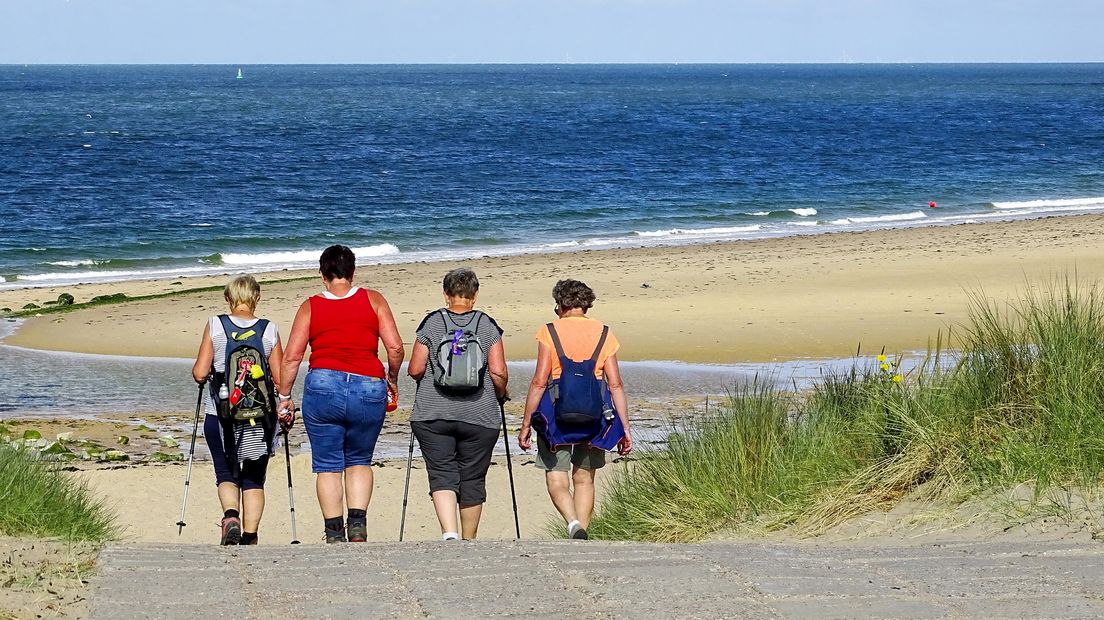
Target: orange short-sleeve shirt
x=578 y=335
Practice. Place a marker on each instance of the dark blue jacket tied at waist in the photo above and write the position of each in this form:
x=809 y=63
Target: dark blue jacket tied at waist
x=604 y=434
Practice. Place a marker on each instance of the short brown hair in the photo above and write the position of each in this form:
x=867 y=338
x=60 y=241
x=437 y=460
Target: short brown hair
x=461 y=282
x=570 y=294
x=242 y=290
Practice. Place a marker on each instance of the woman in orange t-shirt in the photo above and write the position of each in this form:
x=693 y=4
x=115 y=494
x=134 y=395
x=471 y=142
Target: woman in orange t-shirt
x=579 y=335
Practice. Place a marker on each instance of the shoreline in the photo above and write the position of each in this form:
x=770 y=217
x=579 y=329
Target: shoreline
x=815 y=296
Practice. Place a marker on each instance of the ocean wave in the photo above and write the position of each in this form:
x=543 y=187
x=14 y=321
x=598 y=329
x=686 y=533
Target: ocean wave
x=875 y=219
x=302 y=256
x=1047 y=204
x=77 y=263
x=800 y=212
x=109 y=275
x=673 y=232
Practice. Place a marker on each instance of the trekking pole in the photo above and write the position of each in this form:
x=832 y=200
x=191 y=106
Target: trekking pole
x=191 y=453
x=291 y=491
x=406 y=487
x=509 y=467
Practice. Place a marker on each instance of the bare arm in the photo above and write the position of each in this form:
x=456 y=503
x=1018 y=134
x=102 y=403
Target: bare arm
x=419 y=356
x=275 y=365
x=536 y=390
x=296 y=348
x=389 y=334
x=496 y=365
x=205 y=357
x=612 y=372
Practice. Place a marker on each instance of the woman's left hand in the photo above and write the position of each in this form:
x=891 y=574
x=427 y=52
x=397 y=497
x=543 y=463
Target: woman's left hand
x=625 y=446
x=286 y=414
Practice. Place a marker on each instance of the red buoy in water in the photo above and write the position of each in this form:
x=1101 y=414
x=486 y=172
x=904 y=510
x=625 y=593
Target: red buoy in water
x=932 y=205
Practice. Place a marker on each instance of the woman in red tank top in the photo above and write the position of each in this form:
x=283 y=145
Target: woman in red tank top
x=345 y=391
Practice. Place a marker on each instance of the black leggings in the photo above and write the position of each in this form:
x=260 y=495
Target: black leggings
x=457 y=456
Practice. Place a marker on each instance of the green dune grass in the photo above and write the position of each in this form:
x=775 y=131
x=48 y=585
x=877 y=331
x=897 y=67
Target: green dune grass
x=38 y=499
x=1022 y=401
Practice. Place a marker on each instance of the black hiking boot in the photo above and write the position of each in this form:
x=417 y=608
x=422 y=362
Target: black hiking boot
x=358 y=532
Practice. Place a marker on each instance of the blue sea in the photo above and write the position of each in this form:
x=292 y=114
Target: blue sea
x=122 y=172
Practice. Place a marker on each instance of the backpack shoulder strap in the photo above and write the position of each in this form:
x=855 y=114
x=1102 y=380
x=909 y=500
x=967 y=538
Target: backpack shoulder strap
x=601 y=343
x=227 y=325
x=450 y=325
x=478 y=317
x=555 y=340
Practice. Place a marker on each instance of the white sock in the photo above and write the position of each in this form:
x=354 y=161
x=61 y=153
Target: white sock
x=573 y=527
x=450 y=536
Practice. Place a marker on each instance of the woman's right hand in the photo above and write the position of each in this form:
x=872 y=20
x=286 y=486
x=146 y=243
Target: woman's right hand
x=525 y=437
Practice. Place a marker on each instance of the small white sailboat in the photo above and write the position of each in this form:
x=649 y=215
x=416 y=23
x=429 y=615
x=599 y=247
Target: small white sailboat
x=239 y=73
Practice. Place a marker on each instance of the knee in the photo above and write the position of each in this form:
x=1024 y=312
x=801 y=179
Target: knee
x=583 y=478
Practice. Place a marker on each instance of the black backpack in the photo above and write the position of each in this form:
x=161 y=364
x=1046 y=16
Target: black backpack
x=244 y=392
x=579 y=399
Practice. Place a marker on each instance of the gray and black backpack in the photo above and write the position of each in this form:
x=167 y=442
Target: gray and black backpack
x=460 y=363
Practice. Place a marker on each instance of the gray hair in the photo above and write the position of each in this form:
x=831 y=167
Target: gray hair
x=461 y=282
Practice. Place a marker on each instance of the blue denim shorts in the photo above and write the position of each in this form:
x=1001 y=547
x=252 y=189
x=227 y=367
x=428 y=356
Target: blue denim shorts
x=343 y=415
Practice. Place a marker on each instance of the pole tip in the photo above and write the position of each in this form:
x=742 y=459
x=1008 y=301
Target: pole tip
x=295 y=542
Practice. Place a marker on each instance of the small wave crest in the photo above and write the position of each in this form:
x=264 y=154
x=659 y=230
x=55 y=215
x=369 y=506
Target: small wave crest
x=799 y=212
x=87 y=262
x=703 y=232
x=302 y=256
x=875 y=219
x=1047 y=204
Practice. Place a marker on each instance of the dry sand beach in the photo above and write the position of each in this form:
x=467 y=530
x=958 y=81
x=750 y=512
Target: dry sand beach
x=775 y=299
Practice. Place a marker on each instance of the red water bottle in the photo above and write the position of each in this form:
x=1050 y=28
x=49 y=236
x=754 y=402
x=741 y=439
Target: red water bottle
x=392 y=399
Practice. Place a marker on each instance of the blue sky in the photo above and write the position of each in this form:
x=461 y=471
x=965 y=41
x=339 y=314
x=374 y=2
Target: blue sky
x=416 y=31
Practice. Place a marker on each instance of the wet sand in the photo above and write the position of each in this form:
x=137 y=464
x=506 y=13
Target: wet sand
x=770 y=299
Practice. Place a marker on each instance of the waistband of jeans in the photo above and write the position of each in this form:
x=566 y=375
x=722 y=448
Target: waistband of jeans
x=346 y=377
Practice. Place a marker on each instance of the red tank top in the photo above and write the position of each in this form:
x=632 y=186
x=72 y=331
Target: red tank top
x=344 y=335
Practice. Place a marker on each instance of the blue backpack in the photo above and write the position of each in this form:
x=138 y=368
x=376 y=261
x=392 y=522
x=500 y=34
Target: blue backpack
x=577 y=408
x=578 y=401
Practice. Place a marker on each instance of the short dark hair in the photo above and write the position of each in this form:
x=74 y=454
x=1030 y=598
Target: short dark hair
x=461 y=282
x=337 y=262
x=570 y=294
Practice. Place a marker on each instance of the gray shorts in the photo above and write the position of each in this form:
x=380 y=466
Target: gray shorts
x=566 y=457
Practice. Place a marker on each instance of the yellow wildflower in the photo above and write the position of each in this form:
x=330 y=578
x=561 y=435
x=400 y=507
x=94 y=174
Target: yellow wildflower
x=881 y=358
x=896 y=378
x=885 y=366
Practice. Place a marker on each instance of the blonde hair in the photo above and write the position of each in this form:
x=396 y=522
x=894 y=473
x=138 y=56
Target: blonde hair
x=242 y=290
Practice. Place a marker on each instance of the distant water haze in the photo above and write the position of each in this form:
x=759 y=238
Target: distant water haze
x=124 y=172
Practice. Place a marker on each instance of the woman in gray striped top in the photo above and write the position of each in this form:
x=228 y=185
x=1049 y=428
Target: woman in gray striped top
x=457 y=432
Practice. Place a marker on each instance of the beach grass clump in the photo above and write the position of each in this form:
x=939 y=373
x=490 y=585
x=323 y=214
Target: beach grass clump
x=1021 y=401
x=38 y=499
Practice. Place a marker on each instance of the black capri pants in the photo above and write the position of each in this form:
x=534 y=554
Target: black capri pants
x=457 y=456
x=251 y=474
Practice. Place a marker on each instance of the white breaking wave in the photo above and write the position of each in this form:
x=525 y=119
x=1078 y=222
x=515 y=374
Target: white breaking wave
x=672 y=232
x=804 y=212
x=760 y=213
x=302 y=256
x=74 y=263
x=110 y=275
x=1046 y=204
x=874 y=219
